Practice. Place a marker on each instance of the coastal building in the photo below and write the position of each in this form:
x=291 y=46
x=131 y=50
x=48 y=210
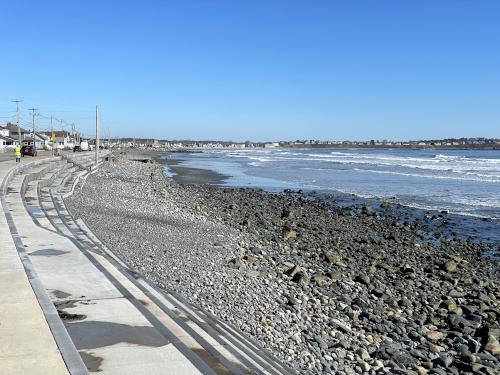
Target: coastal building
x=11 y=130
x=4 y=132
x=7 y=143
x=63 y=140
x=10 y=137
x=41 y=141
x=271 y=145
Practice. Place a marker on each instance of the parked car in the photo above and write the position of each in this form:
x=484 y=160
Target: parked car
x=84 y=146
x=28 y=150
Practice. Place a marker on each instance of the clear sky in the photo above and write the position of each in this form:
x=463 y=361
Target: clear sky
x=257 y=70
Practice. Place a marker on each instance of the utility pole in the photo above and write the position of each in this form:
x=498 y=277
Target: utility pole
x=33 y=121
x=51 y=134
x=96 y=135
x=17 y=120
x=73 y=132
x=62 y=133
x=109 y=142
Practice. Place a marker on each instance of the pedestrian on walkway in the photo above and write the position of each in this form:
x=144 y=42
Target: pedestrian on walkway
x=18 y=154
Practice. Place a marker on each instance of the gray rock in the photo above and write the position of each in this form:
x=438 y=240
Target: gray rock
x=450 y=266
x=368 y=211
x=322 y=280
x=332 y=257
x=363 y=279
x=492 y=346
x=444 y=360
x=363 y=354
x=235 y=263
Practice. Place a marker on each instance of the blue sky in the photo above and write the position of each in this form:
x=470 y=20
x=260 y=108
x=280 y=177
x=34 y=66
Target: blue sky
x=257 y=70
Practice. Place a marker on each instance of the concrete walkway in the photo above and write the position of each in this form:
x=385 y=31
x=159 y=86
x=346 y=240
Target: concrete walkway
x=81 y=308
x=27 y=345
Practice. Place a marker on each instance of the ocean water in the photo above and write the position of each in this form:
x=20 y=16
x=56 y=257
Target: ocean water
x=461 y=182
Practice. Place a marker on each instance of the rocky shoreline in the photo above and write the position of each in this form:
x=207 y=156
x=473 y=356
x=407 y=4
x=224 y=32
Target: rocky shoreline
x=327 y=289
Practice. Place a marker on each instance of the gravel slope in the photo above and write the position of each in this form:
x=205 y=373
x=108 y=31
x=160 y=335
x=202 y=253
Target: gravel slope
x=329 y=290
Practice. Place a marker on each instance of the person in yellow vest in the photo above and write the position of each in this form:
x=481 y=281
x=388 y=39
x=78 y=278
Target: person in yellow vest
x=18 y=154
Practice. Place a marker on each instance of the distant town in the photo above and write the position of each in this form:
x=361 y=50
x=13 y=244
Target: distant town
x=11 y=136
x=451 y=143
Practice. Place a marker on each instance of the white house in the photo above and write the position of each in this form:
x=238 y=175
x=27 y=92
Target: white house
x=271 y=145
x=11 y=130
x=63 y=140
x=40 y=140
x=7 y=143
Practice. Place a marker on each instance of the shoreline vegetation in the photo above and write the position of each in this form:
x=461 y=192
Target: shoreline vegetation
x=328 y=289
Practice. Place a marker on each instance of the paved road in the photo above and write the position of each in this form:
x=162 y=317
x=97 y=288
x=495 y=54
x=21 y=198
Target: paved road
x=8 y=155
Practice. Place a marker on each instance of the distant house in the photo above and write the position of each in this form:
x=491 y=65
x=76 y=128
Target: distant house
x=63 y=140
x=2 y=142
x=271 y=145
x=11 y=130
x=41 y=141
x=7 y=142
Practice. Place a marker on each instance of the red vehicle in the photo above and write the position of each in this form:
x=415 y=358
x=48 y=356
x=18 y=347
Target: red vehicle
x=28 y=150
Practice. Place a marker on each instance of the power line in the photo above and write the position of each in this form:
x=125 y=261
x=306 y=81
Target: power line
x=42 y=122
x=59 y=111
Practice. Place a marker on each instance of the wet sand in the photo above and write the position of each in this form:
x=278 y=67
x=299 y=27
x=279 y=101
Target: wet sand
x=185 y=175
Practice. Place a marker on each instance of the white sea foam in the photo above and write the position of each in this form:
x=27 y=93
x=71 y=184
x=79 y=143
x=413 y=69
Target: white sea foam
x=467 y=183
x=433 y=176
x=479 y=169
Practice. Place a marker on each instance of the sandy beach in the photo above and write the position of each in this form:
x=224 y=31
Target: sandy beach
x=326 y=289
